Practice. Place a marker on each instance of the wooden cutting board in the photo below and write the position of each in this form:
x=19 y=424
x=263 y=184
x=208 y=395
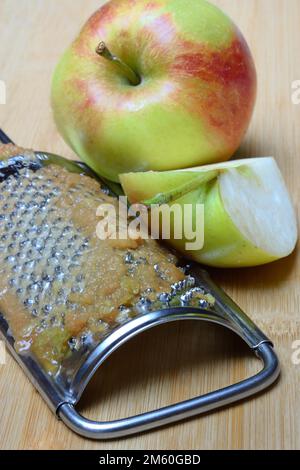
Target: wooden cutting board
x=176 y=361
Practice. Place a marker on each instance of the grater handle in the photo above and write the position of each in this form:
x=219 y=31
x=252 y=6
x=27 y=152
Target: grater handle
x=186 y=409
x=179 y=411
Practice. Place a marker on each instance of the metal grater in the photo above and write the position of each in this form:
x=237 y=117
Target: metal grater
x=43 y=260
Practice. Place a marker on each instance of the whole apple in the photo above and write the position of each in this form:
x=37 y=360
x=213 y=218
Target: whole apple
x=154 y=85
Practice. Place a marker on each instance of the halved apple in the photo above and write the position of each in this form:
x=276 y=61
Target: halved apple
x=249 y=217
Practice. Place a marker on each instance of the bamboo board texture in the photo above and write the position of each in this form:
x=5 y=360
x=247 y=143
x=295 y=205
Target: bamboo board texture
x=178 y=361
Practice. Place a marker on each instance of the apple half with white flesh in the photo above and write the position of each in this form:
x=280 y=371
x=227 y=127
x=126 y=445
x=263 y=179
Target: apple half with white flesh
x=249 y=219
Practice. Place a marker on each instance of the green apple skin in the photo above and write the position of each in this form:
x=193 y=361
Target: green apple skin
x=194 y=102
x=225 y=246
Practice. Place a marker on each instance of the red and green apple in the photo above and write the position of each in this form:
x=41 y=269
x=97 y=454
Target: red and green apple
x=155 y=85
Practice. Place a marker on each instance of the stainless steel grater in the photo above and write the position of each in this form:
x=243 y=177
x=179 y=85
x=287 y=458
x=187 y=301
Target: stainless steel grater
x=26 y=241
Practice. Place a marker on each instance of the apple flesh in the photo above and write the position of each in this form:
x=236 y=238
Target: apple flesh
x=192 y=101
x=249 y=217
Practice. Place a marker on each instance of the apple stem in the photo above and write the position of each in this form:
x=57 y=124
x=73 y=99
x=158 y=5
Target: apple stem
x=103 y=51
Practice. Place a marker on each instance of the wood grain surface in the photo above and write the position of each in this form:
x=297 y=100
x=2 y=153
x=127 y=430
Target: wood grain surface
x=173 y=362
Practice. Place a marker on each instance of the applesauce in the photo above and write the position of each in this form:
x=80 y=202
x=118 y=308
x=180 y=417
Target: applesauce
x=60 y=284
